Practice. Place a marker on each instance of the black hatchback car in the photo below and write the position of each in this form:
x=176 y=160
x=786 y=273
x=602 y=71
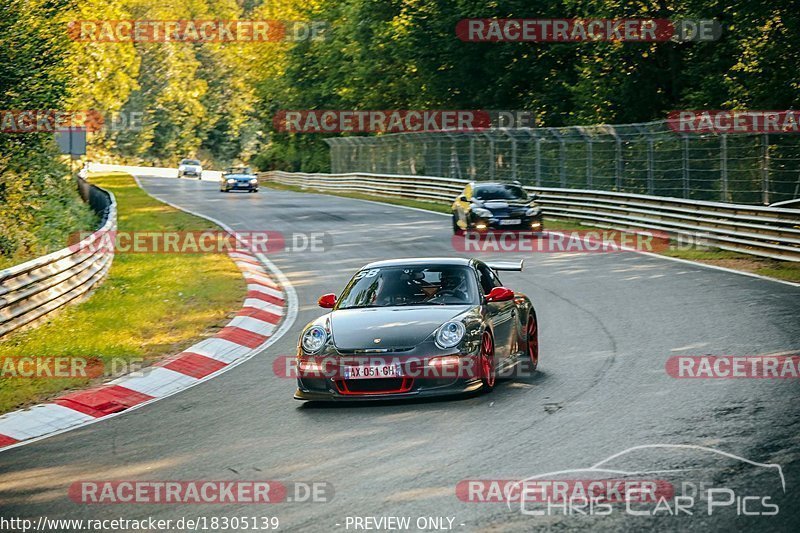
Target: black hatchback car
x=238 y=179
x=486 y=206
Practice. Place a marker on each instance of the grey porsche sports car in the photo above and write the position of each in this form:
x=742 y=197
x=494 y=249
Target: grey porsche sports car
x=407 y=328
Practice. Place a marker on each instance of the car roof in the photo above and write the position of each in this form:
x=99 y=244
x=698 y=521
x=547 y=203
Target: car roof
x=421 y=261
x=504 y=183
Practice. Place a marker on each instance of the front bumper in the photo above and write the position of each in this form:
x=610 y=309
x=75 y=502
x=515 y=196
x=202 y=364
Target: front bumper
x=466 y=388
x=240 y=187
x=419 y=379
x=498 y=223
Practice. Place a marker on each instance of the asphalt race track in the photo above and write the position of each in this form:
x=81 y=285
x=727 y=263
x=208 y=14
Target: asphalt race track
x=608 y=323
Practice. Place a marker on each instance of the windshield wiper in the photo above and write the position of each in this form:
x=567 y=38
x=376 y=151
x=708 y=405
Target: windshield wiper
x=423 y=303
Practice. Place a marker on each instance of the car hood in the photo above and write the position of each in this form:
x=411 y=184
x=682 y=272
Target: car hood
x=503 y=204
x=239 y=177
x=393 y=327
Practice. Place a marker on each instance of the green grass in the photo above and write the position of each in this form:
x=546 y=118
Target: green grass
x=784 y=270
x=150 y=306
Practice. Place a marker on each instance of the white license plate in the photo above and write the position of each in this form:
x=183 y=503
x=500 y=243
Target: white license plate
x=372 y=371
x=510 y=222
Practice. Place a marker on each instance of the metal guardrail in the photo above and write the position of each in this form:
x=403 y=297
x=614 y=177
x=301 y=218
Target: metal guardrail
x=30 y=291
x=772 y=232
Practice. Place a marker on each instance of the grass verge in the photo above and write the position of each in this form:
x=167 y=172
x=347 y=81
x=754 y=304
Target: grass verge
x=783 y=270
x=150 y=306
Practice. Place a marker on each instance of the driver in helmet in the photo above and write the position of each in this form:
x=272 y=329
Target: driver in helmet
x=452 y=285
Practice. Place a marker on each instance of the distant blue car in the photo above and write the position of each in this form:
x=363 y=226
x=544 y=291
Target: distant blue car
x=238 y=179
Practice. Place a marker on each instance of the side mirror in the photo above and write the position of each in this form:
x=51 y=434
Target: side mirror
x=462 y=198
x=327 y=301
x=533 y=196
x=500 y=294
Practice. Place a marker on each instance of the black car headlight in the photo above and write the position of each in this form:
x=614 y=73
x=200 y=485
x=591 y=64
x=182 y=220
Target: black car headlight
x=533 y=211
x=450 y=334
x=314 y=339
x=481 y=212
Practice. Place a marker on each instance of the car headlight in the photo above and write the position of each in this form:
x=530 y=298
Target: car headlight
x=533 y=211
x=254 y=180
x=314 y=339
x=231 y=180
x=481 y=212
x=450 y=334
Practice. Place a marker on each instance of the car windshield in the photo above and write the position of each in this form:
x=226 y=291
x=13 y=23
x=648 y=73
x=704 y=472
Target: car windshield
x=238 y=170
x=410 y=285
x=500 y=192
x=190 y=162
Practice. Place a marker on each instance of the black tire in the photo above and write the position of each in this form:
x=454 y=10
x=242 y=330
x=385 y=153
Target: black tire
x=456 y=229
x=530 y=362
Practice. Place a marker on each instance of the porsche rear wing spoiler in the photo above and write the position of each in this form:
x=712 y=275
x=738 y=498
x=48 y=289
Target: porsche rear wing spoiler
x=506 y=265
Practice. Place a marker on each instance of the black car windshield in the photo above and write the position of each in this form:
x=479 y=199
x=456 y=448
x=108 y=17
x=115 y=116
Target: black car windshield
x=238 y=170
x=190 y=162
x=500 y=192
x=411 y=285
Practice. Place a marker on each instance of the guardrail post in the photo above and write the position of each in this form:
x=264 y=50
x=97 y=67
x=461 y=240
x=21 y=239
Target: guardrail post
x=439 y=157
x=589 y=162
x=686 y=166
x=562 y=158
x=651 y=182
x=491 y=156
x=399 y=155
x=723 y=167
x=513 y=158
x=765 y=168
x=472 y=169
x=455 y=164
x=618 y=162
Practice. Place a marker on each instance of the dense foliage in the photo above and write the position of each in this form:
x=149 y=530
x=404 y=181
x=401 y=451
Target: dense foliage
x=404 y=55
x=39 y=205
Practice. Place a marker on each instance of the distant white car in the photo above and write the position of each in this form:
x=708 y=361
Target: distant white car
x=190 y=167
